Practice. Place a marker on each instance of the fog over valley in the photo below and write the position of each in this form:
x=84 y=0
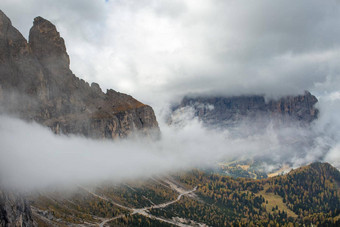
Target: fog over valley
x=35 y=158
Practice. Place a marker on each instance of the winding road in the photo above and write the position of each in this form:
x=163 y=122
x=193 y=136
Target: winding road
x=143 y=211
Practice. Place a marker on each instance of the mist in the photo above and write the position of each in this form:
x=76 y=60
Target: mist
x=327 y=127
x=32 y=157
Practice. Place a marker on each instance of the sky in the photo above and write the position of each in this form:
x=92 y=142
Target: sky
x=159 y=51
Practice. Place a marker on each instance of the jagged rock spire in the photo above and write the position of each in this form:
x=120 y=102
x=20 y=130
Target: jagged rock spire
x=47 y=45
x=48 y=92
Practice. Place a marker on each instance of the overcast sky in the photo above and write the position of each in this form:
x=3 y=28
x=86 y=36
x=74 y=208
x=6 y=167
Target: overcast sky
x=160 y=50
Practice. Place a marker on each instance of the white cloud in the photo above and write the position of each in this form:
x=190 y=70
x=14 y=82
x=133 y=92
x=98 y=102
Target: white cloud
x=160 y=50
x=32 y=157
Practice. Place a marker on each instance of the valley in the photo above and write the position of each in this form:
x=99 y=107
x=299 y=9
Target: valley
x=197 y=198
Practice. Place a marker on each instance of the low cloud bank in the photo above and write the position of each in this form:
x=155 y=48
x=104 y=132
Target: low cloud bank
x=327 y=127
x=32 y=157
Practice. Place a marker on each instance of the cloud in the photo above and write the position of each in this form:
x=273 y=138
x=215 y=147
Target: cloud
x=328 y=125
x=32 y=157
x=160 y=50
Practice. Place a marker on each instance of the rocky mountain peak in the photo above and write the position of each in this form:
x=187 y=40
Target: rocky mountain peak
x=19 y=69
x=226 y=111
x=48 y=92
x=12 y=43
x=47 y=45
x=3 y=20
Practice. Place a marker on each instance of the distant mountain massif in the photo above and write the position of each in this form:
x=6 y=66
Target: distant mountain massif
x=289 y=119
x=222 y=111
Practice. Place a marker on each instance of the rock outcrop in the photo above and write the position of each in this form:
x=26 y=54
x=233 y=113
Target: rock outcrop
x=226 y=111
x=37 y=84
x=14 y=211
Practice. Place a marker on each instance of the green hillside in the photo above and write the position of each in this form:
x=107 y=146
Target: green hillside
x=307 y=195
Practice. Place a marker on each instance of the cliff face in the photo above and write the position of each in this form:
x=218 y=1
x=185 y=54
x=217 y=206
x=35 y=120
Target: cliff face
x=14 y=211
x=36 y=83
x=224 y=111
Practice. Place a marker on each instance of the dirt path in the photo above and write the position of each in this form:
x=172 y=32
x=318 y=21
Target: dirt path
x=106 y=199
x=143 y=211
x=132 y=211
x=162 y=205
x=110 y=219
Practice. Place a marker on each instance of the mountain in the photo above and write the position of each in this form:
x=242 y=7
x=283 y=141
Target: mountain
x=287 y=119
x=37 y=84
x=306 y=196
x=14 y=210
x=227 y=111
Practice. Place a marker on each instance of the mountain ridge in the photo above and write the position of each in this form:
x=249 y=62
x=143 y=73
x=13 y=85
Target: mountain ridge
x=37 y=84
x=230 y=110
